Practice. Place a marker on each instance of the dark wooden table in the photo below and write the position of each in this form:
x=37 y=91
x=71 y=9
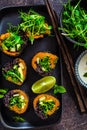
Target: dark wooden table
x=71 y=118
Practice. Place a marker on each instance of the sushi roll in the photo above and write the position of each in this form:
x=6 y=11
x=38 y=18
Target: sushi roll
x=44 y=63
x=16 y=100
x=12 y=43
x=15 y=71
x=45 y=105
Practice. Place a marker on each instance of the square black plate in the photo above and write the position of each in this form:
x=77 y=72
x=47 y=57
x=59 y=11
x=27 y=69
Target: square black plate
x=49 y=44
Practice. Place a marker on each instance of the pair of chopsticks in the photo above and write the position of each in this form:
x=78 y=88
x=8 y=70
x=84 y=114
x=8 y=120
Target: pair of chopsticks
x=82 y=101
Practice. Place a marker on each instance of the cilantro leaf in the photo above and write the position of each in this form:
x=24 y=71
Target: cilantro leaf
x=59 y=89
x=85 y=75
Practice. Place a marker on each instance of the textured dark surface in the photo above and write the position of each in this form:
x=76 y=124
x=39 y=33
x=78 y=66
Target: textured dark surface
x=71 y=119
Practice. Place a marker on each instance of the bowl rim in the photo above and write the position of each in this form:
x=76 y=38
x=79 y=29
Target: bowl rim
x=76 y=68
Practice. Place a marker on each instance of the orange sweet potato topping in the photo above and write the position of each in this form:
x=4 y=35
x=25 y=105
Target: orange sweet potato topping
x=3 y=36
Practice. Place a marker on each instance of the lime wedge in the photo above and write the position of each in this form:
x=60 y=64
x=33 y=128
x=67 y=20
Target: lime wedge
x=44 y=84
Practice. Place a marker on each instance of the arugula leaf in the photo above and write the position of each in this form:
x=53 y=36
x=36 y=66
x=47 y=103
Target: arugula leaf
x=59 y=89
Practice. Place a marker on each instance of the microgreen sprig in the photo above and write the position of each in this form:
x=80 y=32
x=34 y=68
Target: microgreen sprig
x=33 y=24
x=74 y=20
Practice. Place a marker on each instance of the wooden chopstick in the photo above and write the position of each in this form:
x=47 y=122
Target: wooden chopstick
x=67 y=59
x=81 y=89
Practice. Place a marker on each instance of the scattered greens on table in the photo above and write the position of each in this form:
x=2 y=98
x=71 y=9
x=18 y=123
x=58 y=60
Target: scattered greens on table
x=74 y=20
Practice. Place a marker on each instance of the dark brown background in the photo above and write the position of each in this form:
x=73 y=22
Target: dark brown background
x=71 y=118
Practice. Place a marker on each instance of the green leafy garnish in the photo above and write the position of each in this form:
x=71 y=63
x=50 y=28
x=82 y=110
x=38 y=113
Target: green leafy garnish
x=14 y=73
x=17 y=100
x=46 y=105
x=18 y=119
x=74 y=20
x=12 y=42
x=33 y=24
x=3 y=92
x=45 y=64
x=59 y=89
x=85 y=75
x=1 y=95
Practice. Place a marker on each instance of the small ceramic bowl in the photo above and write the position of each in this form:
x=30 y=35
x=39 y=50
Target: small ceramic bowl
x=73 y=3
x=81 y=69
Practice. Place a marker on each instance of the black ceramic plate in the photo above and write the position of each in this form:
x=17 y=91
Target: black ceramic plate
x=49 y=44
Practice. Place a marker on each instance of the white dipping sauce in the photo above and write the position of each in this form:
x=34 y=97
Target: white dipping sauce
x=82 y=68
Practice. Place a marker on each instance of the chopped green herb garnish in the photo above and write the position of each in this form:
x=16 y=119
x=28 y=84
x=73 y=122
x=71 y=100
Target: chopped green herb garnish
x=17 y=100
x=45 y=64
x=85 y=75
x=14 y=73
x=46 y=105
x=11 y=43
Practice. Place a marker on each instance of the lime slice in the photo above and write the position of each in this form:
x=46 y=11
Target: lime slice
x=44 y=84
